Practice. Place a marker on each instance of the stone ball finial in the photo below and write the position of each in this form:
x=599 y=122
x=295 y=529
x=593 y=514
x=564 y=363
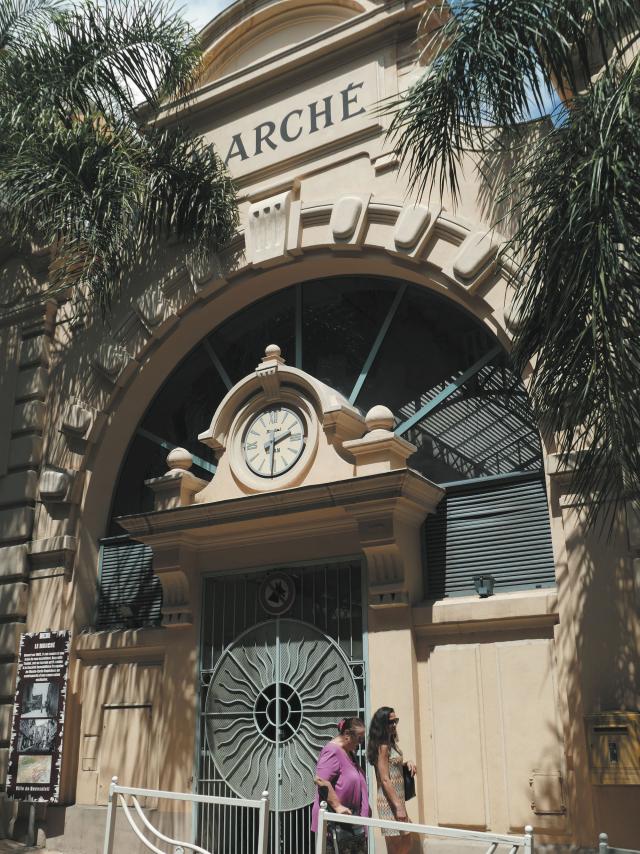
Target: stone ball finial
x=379 y=418
x=179 y=458
x=272 y=353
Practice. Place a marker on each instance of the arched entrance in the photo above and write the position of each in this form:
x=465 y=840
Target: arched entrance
x=455 y=399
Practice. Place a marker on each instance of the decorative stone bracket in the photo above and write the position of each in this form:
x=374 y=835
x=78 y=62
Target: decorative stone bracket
x=267 y=228
x=171 y=565
x=390 y=537
x=77 y=420
x=59 y=485
x=176 y=604
x=114 y=363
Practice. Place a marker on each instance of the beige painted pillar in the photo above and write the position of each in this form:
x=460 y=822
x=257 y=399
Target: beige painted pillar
x=393 y=682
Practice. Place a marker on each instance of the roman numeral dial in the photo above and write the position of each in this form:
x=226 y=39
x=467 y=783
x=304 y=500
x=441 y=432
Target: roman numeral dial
x=273 y=441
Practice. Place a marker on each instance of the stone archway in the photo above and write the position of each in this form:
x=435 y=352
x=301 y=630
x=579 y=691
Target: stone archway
x=284 y=243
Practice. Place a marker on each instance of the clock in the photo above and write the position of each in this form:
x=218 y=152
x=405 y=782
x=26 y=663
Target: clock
x=273 y=441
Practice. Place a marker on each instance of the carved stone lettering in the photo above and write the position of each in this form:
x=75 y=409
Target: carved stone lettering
x=274 y=133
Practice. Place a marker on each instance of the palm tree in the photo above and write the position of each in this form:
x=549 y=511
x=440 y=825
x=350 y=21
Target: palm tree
x=573 y=193
x=85 y=167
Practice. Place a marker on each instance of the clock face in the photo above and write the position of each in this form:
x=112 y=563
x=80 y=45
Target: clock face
x=274 y=441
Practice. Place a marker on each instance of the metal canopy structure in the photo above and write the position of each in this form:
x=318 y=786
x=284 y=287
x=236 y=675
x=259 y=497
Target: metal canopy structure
x=438 y=368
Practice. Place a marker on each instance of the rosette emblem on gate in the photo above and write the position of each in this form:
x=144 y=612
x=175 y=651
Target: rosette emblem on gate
x=273 y=702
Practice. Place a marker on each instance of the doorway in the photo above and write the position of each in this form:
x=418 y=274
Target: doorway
x=282 y=660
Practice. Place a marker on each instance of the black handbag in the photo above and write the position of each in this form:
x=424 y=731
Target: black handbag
x=345 y=835
x=409 y=783
x=342 y=835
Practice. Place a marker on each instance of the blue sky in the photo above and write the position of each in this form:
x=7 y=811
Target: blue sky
x=200 y=12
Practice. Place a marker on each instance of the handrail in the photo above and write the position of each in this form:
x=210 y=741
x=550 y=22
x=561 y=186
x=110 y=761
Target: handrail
x=605 y=848
x=195 y=848
x=117 y=795
x=492 y=839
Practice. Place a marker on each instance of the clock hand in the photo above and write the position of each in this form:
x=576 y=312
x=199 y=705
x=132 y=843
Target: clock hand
x=271 y=454
x=281 y=436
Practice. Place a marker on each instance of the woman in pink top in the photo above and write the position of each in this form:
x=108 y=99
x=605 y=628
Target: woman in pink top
x=339 y=772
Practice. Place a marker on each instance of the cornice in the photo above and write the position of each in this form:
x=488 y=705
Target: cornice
x=345 y=41
x=403 y=486
x=523 y=610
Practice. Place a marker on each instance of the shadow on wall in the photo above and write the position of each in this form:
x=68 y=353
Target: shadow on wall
x=496 y=167
x=507 y=708
x=600 y=598
x=91 y=359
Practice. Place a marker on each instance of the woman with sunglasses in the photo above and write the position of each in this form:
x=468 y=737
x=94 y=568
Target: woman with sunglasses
x=342 y=782
x=385 y=755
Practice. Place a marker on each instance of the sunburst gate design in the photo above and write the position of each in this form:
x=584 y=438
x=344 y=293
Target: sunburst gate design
x=273 y=702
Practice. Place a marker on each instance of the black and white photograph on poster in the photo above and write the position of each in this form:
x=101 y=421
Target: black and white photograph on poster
x=37 y=735
x=40 y=700
x=37 y=729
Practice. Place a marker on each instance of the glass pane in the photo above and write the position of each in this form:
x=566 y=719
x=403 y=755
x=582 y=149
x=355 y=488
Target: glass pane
x=144 y=460
x=430 y=341
x=240 y=342
x=185 y=405
x=340 y=321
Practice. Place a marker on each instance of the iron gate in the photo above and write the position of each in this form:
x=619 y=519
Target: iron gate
x=272 y=690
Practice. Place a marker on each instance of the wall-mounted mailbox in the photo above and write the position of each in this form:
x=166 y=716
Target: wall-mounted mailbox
x=614 y=748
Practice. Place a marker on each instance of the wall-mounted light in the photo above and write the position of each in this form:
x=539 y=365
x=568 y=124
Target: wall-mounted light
x=484 y=585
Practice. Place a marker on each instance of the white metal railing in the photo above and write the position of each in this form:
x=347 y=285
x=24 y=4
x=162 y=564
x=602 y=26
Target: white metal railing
x=493 y=840
x=119 y=794
x=605 y=848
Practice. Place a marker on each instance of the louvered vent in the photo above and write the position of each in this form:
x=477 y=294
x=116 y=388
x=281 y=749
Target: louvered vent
x=500 y=528
x=129 y=594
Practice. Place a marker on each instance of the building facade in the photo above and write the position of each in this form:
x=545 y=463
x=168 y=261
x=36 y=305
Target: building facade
x=269 y=492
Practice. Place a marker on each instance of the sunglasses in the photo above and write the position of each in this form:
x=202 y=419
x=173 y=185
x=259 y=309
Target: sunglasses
x=394 y=721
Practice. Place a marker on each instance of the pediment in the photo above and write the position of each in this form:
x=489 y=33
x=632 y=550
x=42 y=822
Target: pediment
x=236 y=41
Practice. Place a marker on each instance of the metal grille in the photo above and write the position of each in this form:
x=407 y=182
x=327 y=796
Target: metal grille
x=312 y=673
x=498 y=527
x=129 y=594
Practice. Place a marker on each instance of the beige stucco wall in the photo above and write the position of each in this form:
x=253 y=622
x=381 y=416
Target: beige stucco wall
x=492 y=695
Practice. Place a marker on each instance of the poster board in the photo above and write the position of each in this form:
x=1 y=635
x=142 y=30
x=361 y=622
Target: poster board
x=35 y=751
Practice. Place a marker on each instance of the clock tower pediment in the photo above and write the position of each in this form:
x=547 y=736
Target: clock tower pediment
x=279 y=428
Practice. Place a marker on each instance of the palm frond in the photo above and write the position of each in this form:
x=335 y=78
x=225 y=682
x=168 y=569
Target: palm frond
x=188 y=192
x=113 y=57
x=578 y=283
x=19 y=18
x=79 y=170
x=493 y=59
x=572 y=196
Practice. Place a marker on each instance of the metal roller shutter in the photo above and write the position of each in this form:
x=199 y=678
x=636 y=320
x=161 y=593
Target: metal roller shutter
x=500 y=528
x=129 y=594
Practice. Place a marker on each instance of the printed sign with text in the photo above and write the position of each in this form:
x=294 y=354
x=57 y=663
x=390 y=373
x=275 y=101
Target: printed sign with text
x=35 y=753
